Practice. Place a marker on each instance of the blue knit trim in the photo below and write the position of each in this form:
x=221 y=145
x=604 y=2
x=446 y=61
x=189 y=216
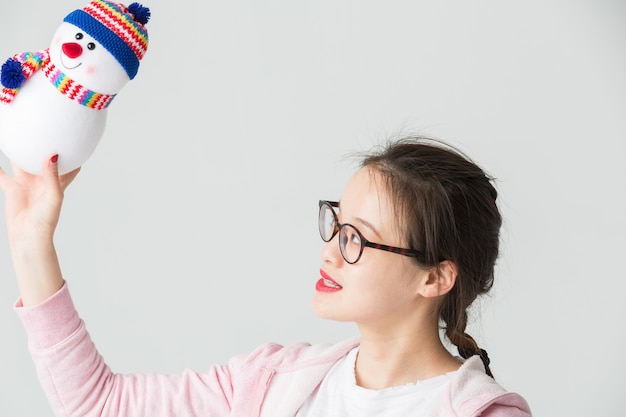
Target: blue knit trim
x=109 y=40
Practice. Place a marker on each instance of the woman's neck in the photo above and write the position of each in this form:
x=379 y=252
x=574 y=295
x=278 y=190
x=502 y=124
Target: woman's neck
x=388 y=360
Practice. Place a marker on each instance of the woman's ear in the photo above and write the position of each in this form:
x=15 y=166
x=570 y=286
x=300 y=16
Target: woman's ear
x=439 y=280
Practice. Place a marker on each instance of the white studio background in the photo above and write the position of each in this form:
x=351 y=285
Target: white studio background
x=190 y=235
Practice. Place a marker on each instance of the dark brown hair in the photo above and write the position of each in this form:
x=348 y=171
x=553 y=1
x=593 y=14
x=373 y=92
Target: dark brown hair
x=447 y=206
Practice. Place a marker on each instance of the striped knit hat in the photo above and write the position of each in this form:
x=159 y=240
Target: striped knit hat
x=120 y=29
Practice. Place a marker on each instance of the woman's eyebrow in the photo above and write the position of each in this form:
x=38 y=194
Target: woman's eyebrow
x=362 y=221
x=369 y=226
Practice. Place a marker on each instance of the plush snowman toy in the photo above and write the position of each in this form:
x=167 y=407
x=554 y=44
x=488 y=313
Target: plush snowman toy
x=55 y=100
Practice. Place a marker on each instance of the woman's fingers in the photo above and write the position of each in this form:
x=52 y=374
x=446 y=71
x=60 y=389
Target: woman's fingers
x=50 y=171
x=55 y=182
x=66 y=179
x=19 y=172
x=50 y=174
x=4 y=179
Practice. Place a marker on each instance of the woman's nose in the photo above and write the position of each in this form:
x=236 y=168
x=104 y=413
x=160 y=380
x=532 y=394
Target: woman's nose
x=330 y=251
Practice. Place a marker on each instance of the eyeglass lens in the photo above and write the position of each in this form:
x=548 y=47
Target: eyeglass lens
x=349 y=238
x=350 y=243
x=327 y=223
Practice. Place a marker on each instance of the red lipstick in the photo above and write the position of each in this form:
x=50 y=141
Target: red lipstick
x=326 y=283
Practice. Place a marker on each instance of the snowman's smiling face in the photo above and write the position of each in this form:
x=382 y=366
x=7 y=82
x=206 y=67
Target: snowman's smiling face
x=72 y=52
x=86 y=61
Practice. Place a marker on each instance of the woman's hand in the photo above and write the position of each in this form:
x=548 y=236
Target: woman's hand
x=33 y=202
x=32 y=210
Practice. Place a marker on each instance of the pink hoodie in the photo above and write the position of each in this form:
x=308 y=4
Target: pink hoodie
x=272 y=381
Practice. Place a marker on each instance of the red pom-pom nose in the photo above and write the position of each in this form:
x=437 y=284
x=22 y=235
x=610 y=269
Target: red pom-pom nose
x=72 y=49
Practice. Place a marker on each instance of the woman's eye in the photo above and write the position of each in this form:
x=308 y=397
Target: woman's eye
x=353 y=238
x=79 y=36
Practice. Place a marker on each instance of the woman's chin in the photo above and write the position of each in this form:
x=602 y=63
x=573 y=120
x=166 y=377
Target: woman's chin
x=328 y=311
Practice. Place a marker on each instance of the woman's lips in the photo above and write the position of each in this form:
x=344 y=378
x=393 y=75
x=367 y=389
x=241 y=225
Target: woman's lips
x=326 y=283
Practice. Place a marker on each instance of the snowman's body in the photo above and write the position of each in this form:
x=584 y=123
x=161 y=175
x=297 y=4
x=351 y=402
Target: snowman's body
x=41 y=120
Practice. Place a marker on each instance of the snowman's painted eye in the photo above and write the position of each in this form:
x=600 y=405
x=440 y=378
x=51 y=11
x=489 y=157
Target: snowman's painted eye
x=91 y=46
x=79 y=36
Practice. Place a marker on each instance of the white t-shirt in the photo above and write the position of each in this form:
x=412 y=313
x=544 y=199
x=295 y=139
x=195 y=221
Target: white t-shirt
x=339 y=395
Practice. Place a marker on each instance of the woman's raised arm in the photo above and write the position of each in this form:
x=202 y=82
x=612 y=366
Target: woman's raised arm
x=32 y=211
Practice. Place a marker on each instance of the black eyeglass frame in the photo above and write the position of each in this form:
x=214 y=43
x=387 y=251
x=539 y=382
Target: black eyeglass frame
x=364 y=242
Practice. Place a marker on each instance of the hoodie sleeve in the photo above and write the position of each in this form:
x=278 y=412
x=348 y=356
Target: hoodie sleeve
x=473 y=393
x=77 y=381
x=508 y=405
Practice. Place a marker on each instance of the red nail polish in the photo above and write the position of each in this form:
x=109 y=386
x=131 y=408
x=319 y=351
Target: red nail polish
x=54 y=159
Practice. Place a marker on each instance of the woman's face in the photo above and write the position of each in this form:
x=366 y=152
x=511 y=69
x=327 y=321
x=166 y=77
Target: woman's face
x=382 y=288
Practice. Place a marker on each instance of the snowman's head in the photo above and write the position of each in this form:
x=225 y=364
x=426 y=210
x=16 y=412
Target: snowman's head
x=86 y=61
x=94 y=43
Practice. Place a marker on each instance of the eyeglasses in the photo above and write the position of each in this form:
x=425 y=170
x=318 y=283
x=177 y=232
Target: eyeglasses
x=351 y=241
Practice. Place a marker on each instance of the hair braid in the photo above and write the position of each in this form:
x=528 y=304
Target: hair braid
x=465 y=343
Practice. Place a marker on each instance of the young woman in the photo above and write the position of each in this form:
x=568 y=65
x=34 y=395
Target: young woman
x=411 y=244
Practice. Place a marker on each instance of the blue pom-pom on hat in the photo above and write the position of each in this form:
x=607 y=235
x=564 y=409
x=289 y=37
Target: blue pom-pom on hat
x=141 y=13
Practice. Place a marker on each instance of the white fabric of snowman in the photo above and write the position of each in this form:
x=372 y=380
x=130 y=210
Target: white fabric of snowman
x=55 y=100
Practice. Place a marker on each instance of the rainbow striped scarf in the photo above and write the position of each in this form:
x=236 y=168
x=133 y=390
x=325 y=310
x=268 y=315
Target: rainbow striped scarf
x=33 y=61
